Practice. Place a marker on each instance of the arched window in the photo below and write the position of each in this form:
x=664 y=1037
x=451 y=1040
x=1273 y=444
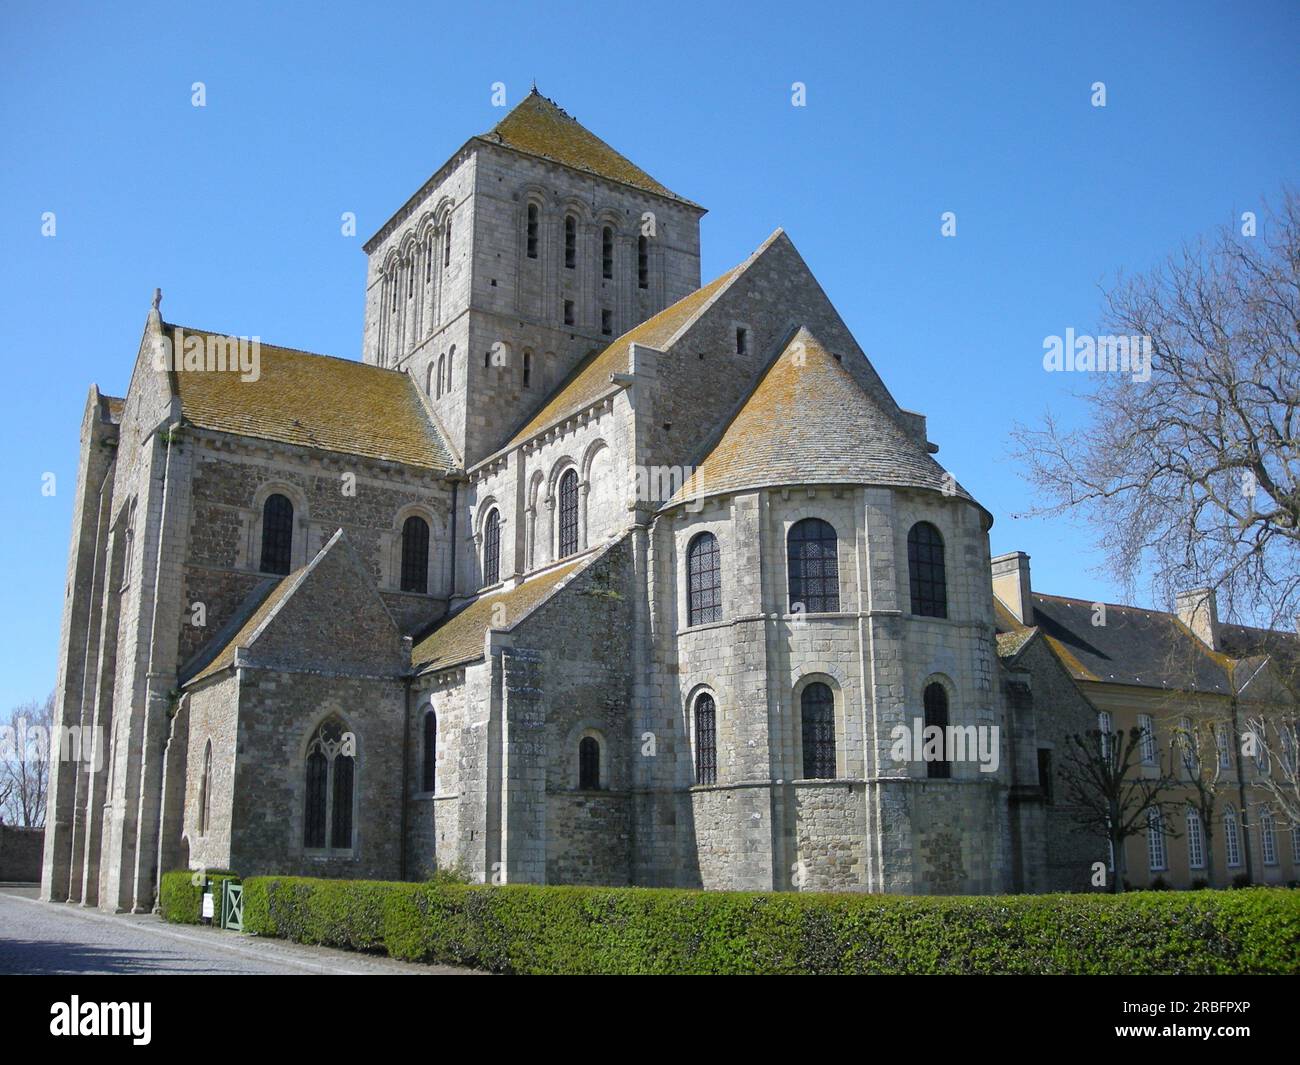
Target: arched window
x=442 y=372
x=607 y=253
x=205 y=791
x=1267 y=839
x=528 y=368
x=706 y=739
x=277 y=534
x=570 y=241
x=392 y=290
x=415 y=555
x=492 y=547
x=428 y=383
x=446 y=244
x=1195 y=840
x=451 y=365
x=589 y=764
x=642 y=262
x=430 y=747
x=568 y=513
x=814 y=572
x=532 y=231
x=817 y=710
x=428 y=258
x=331 y=787
x=703 y=580
x=926 y=571
x=1231 y=838
x=936 y=715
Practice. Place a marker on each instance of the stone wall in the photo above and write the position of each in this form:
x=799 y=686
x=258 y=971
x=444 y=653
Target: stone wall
x=21 y=850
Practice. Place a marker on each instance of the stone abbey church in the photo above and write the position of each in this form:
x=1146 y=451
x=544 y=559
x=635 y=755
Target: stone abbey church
x=586 y=574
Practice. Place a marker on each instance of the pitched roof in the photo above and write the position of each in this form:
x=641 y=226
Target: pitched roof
x=314 y=401
x=459 y=638
x=809 y=421
x=1245 y=641
x=219 y=652
x=538 y=126
x=1138 y=647
x=590 y=379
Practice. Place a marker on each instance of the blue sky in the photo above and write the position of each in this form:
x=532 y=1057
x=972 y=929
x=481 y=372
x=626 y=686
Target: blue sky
x=912 y=110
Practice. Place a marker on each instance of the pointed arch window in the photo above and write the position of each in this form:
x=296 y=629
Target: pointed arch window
x=589 y=764
x=492 y=547
x=415 y=555
x=205 y=791
x=570 y=242
x=532 y=231
x=817 y=718
x=568 y=514
x=936 y=715
x=607 y=253
x=430 y=751
x=925 y=570
x=813 y=561
x=330 y=788
x=703 y=580
x=277 y=534
x=706 y=739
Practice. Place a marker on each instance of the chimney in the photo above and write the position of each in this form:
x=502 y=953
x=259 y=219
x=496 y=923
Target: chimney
x=1198 y=610
x=1011 y=585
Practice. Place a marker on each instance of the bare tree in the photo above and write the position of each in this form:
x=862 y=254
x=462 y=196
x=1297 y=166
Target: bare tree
x=25 y=763
x=1201 y=745
x=1273 y=740
x=1197 y=466
x=1112 y=797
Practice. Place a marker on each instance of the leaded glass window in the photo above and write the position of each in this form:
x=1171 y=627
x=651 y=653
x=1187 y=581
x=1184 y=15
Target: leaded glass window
x=814 y=574
x=706 y=740
x=818 y=720
x=568 y=514
x=703 y=580
x=925 y=569
x=277 y=534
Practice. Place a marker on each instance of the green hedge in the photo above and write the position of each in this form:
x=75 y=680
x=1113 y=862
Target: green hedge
x=181 y=900
x=547 y=930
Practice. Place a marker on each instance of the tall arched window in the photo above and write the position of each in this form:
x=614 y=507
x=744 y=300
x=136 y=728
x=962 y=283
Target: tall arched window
x=642 y=262
x=570 y=241
x=703 y=580
x=926 y=571
x=451 y=365
x=492 y=547
x=814 y=572
x=429 y=772
x=588 y=764
x=532 y=231
x=415 y=555
x=442 y=373
x=568 y=513
x=1231 y=838
x=1195 y=840
x=331 y=788
x=1267 y=838
x=528 y=369
x=607 y=253
x=277 y=534
x=446 y=244
x=428 y=383
x=205 y=791
x=706 y=739
x=817 y=712
x=936 y=715
x=428 y=257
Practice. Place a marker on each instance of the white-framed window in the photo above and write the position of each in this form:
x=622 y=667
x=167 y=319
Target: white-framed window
x=1156 y=857
x=1148 y=741
x=1231 y=838
x=1267 y=838
x=1295 y=845
x=1106 y=726
x=1223 y=737
x=1195 y=841
x=1187 y=743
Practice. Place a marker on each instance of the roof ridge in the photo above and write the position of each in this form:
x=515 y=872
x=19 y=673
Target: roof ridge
x=289 y=350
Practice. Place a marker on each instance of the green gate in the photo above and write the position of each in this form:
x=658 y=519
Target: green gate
x=232 y=905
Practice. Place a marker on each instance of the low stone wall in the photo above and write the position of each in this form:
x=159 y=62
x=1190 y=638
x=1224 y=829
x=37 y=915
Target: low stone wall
x=21 y=850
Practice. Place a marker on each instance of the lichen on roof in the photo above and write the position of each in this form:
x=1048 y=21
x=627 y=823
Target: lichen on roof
x=591 y=378
x=538 y=126
x=313 y=401
x=808 y=421
x=459 y=638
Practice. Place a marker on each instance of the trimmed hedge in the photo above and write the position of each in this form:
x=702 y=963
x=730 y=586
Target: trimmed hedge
x=570 y=930
x=181 y=900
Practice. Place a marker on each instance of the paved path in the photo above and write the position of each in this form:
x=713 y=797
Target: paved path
x=42 y=937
